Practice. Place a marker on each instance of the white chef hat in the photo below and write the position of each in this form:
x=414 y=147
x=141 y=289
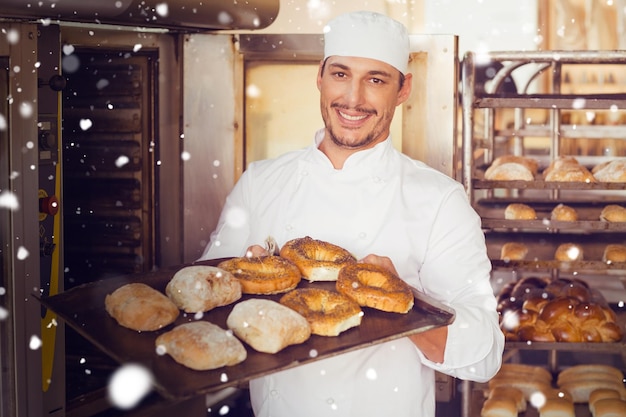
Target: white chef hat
x=367 y=34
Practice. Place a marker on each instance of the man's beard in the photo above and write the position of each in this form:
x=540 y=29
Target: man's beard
x=345 y=143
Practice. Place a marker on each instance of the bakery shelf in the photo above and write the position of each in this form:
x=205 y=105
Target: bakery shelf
x=547 y=185
x=553 y=225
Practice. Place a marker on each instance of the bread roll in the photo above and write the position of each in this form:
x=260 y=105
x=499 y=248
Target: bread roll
x=510 y=171
x=581 y=389
x=609 y=407
x=569 y=252
x=201 y=345
x=557 y=407
x=202 y=288
x=600 y=394
x=140 y=307
x=564 y=213
x=613 y=213
x=512 y=393
x=513 y=251
x=518 y=211
x=568 y=169
x=267 y=326
x=499 y=407
x=612 y=171
x=578 y=371
x=530 y=163
x=614 y=253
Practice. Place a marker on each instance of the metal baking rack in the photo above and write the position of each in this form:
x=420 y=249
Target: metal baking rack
x=485 y=103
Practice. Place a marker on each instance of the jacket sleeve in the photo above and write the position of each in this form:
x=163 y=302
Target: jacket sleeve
x=456 y=271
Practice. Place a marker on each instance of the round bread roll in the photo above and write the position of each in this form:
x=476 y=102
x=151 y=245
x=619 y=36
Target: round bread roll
x=264 y=274
x=316 y=259
x=510 y=171
x=267 y=326
x=609 y=407
x=513 y=251
x=564 y=213
x=375 y=287
x=530 y=163
x=611 y=171
x=328 y=312
x=558 y=163
x=200 y=288
x=201 y=345
x=613 y=213
x=566 y=252
x=518 y=211
x=614 y=253
x=499 y=407
x=140 y=307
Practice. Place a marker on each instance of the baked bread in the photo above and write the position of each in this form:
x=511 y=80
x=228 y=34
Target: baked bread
x=581 y=390
x=568 y=170
x=614 y=253
x=519 y=211
x=328 y=312
x=373 y=286
x=263 y=274
x=140 y=307
x=530 y=163
x=499 y=407
x=510 y=171
x=511 y=393
x=267 y=326
x=564 y=213
x=513 y=251
x=200 y=288
x=317 y=260
x=567 y=252
x=610 y=171
x=601 y=394
x=609 y=407
x=583 y=370
x=557 y=407
x=613 y=213
x=201 y=345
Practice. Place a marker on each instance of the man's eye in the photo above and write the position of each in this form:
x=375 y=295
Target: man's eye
x=339 y=74
x=377 y=81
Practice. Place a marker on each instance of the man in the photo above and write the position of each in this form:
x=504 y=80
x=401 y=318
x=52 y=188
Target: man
x=353 y=189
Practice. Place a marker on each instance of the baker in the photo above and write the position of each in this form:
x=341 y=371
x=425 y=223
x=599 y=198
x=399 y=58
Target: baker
x=351 y=187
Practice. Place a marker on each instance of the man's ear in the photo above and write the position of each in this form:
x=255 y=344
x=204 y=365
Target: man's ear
x=319 y=75
x=405 y=91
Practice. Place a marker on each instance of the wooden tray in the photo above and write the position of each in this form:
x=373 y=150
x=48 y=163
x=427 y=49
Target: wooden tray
x=82 y=308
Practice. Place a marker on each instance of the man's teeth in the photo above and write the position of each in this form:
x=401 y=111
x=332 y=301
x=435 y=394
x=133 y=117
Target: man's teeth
x=347 y=116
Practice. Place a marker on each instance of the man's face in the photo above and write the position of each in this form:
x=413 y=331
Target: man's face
x=358 y=99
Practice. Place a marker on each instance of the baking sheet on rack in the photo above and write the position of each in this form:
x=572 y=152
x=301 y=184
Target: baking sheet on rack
x=82 y=308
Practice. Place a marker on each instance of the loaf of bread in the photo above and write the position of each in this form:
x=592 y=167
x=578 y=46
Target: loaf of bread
x=201 y=345
x=510 y=171
x=610 y=171
x=510 y=393
x=564 y=213
x=519 y=211
x=601 y=394
x=267 y=326
x=199 y=288
x=140 y=307
x=529 y=163
x=614 y=253
x=499 y=407
x=609 y=407
x=613 y=213
x=513 y=251
x=568 y=169
x=567 y=252
x=557 y=407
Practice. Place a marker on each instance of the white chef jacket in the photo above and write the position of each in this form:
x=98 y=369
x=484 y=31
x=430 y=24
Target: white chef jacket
x=381 y=202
